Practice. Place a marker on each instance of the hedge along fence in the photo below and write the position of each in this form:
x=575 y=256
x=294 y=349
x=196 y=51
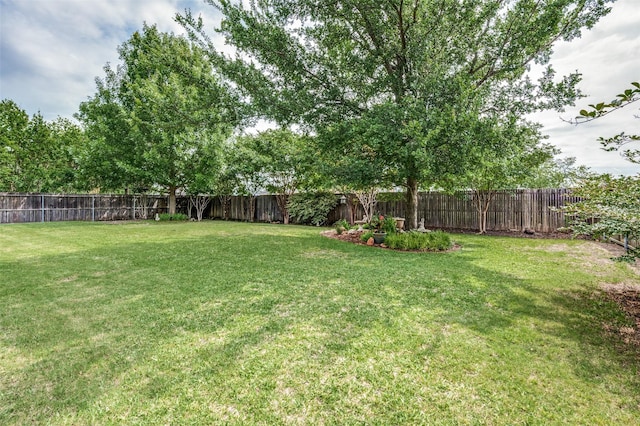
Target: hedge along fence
x=509 y=211
x=20 y=208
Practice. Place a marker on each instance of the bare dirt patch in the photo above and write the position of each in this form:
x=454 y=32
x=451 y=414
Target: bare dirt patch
x=628 y=298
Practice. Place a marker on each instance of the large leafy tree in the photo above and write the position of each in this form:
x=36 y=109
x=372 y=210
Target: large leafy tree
x=36 y=155
x=13 y=128
x=157 y=115
x=404 y=72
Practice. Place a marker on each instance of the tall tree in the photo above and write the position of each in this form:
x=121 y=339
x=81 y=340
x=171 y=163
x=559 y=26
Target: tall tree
x=403 y=71
x=164 y=107
x=36 y=155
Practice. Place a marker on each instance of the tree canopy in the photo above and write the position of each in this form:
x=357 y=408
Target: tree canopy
x=158 y=116
x=279 y=159
x=407 y=74
x=36 y=155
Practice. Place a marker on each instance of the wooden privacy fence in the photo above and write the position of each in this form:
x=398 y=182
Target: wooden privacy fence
x=509 y=210
x=19 y=208
x=515 y=210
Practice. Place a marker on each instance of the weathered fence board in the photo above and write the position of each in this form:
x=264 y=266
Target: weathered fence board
x=515 y=210
x=509 y=210
x=21 y=208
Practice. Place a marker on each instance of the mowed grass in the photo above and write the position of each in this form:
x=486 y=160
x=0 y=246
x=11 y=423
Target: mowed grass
x=231 y=323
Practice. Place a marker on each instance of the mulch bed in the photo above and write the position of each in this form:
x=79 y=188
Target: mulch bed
x=354 y=238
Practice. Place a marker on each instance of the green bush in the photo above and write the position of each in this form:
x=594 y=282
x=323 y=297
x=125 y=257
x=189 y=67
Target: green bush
x=341 y=226
x=366 y=235
x=176 y=216
x=429 y=241
x=388 y=225
x=311 y=208
x=384 y=224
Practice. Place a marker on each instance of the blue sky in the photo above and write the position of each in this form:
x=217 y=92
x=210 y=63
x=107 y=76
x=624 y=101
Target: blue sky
x=51 y=51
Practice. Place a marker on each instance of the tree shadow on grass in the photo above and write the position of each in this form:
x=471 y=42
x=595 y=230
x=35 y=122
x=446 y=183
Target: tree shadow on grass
x=104 y=321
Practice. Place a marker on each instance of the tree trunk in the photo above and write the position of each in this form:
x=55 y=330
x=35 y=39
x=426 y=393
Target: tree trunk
x=251 y=208
x=412 y=204
x=282 y=200
x=172 y=199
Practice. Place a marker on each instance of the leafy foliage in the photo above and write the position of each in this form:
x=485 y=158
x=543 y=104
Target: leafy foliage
x=311 y=208
x=494 y=155
x=610 y=206
x=341 y=226
x=36 y=155
x=366 y=235
x=619 y=141
x=390 y=85
x=159 y=118
x=557 y=173
x=428 y=241
x=279 y=159
x=384 y=224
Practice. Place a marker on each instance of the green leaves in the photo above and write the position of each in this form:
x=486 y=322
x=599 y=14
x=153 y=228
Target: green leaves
x=609 y=207
x=619 y=141
x=602 y=108
x=160 y=118
x=36 y=155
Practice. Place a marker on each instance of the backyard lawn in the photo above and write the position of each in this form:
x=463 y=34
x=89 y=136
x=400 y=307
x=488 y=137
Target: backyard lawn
x=232 y=323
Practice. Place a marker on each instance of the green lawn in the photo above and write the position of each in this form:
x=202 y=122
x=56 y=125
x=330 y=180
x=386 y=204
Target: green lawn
x=230 y=323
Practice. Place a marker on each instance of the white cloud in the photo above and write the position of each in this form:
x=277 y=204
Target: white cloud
x=53 y=50
x=607 y=56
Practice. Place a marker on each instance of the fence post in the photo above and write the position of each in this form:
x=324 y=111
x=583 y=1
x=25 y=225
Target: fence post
x=93 y=208
x=42 y=206
x=133 y=212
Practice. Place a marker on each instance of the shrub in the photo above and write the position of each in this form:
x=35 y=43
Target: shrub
x=341 y=226
x=366 y=235
x=176 y=216
x=388 y=225
x=430 y=241
x=384 y=224
x=311 y=208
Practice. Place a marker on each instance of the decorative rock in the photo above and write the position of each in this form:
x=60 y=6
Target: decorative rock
x=383 y=245
x=370 y=241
